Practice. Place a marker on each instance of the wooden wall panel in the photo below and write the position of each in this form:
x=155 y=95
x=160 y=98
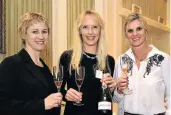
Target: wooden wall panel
x=14 y=10
x=150 y=8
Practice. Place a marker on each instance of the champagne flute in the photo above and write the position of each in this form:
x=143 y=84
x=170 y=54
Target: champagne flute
x=79 y=78
x=124 y=68
x=58 y=78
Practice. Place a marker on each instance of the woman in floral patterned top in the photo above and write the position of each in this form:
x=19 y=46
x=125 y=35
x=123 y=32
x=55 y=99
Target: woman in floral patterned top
x=148 y=71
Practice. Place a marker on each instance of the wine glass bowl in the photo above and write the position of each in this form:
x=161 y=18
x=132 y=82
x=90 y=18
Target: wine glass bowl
x=79 y=82
x=58 y=82
x=58 y=78
x=79 y=78
x=124 y=69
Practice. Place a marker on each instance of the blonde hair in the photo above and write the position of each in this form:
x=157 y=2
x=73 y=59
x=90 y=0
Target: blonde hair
x=78 y=46
x=27 y=20
x=135 y=16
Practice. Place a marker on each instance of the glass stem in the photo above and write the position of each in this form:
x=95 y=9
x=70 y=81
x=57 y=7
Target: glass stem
x=58 y=90
x=79 y=89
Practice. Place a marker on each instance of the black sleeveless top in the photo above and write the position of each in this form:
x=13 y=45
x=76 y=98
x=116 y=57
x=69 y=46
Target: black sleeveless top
x=91 y=87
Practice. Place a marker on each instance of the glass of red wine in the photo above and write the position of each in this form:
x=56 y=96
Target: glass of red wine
x=79 y=78
x=58 y=78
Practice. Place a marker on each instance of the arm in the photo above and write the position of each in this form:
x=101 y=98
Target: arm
x=166 y=76
x=10 y=94
x=71 y=94
x=109 y=80
x=110 y=64
x=117 y=96
x=64 y=61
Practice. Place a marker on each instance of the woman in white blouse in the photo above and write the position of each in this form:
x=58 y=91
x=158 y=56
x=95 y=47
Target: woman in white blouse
x=149 y=73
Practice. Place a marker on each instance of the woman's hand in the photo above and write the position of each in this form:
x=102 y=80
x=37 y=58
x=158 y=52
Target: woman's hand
x=110 y=81
x=122 y=83
x=165 y=104
x=53 y=100
x=73 y=95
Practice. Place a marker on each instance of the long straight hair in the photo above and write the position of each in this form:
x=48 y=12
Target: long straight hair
x=77 y=47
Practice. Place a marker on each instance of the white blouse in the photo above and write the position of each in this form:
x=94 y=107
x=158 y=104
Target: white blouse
x=149 y=84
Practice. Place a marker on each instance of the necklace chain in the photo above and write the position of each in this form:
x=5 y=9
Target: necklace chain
x=94 y=57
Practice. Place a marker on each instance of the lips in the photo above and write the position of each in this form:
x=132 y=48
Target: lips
x=40 y=42
x=91 y=37
x=135 y=39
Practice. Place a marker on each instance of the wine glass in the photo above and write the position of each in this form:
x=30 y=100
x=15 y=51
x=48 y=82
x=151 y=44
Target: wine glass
x=58 y=78
x=79 y=78
x=124 y=68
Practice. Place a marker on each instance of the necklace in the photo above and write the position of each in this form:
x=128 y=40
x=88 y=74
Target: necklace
x=94 y=57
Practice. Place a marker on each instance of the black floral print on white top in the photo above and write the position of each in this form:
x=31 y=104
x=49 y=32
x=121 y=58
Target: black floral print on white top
x=127 y=60
x=154 y=60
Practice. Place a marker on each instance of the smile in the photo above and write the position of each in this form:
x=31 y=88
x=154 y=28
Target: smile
x=91 y=37
x=135 y=39
x=40 y=42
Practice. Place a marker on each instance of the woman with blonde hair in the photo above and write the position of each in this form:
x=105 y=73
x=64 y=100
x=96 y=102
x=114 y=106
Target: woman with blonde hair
x=89 y=50
x=149 y=73
x=27 y=86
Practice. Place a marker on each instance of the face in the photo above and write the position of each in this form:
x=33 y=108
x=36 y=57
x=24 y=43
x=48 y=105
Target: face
x=90 y=31
x=36 y=36
x=136 y=33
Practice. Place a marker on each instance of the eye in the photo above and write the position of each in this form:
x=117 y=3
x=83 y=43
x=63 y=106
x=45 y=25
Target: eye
x=139 y=28
x=44 y=31
x=35 y=32
x=84 y=27
x=96 y=27
x=129 y=30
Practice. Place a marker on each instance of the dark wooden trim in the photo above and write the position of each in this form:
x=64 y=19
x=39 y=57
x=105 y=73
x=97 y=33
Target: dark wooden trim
x=2 y=26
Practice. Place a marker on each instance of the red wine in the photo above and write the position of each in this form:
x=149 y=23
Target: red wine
x=58 y=84
x=79 y=82
x=105 y=103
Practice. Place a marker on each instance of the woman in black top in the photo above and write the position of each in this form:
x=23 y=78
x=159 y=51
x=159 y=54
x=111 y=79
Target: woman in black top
x=89 y=50
x=26 y=83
